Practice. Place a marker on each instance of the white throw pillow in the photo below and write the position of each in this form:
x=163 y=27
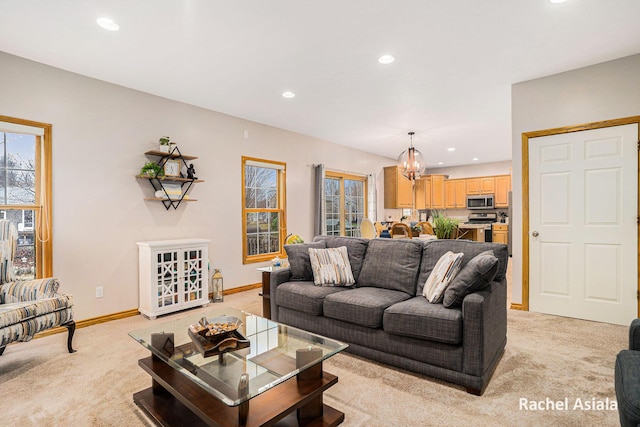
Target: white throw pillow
x=331 y=267
x=443 y=273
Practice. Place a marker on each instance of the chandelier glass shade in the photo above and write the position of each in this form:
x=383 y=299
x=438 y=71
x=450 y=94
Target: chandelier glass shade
x=411 y=162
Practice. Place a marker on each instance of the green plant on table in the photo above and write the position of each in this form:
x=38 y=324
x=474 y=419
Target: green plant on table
x=164 y=140
x=443 y=226
x=152 y=170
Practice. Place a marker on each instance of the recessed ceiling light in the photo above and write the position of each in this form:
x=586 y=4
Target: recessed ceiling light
x=288 y=94
x=557 y=1
x=386 y=59
x=451 y=149
x=475 y=159
x=108 y=24
x=441 y=163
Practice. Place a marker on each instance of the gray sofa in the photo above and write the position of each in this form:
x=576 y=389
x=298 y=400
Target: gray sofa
x=627 y=379
x=384 y=316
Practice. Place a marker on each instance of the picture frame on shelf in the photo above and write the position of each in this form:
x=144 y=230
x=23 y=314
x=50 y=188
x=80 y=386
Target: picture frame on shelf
x=172 y=168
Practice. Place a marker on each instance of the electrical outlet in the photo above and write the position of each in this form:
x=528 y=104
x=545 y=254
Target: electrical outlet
x=99 y=292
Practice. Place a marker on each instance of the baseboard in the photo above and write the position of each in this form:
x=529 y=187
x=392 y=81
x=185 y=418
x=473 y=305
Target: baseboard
x=128 y=313
x=515 y=306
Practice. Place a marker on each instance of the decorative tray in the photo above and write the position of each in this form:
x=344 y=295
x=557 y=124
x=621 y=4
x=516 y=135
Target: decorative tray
x=218 y=335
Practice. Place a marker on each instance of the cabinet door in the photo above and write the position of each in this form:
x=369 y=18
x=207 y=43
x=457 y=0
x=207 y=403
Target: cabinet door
x=437 y=192
x=166 y=287
x=503 y=186
x=427 y=193
x=461 y=193
x=194 y=283
x=420 y=194
x=449 y=194
x=397 y=189
x=404 y=192
x=487 y=185
x=473 y=186
x=500 y=237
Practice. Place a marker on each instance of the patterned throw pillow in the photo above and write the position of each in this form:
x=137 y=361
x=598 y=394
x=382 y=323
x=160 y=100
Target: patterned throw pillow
x=443 y=273
x=331 y=267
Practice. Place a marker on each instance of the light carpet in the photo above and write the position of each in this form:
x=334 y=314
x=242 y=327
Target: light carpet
x=547 y=359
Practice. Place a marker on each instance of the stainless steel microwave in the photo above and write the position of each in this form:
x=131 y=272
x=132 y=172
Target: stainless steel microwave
x=484 y=201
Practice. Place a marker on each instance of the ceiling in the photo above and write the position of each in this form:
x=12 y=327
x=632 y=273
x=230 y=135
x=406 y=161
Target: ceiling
x=451 y=82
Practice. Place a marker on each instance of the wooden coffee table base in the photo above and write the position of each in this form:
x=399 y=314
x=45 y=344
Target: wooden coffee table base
x=175 y=400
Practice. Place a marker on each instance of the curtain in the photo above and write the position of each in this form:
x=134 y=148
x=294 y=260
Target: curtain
x=319 y=218
x=372 y=197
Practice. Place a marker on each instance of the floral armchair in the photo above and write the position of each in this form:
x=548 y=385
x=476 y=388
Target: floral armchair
x=28 y=307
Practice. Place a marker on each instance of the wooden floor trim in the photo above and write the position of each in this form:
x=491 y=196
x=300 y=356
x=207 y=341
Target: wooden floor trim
x=128 y=313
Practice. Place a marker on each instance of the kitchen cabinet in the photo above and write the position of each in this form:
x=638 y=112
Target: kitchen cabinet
x=398 y=190
x=430 y=192
x=502 y=188
x=500 y=233
x=455 y=193
x=423 y=193
x=173 y=275
x=437 y=191
x=483 y=185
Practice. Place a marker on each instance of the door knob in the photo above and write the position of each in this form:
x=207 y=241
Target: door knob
x=535 y=234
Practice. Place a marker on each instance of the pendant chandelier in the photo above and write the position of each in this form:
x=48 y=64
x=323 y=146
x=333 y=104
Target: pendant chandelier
x=411 y=162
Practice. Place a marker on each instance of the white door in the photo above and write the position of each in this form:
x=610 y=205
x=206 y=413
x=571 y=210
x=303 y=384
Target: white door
x=583 y=198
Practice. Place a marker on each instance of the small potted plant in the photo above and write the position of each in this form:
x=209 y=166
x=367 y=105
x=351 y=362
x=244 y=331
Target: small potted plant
x=416 y=230
x=152 y=170
x=164 y=144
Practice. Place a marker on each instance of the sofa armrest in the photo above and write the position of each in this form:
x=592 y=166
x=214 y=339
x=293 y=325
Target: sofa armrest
x=484 y=317
x=634 y=335
x=276 y=278
x=29 y=290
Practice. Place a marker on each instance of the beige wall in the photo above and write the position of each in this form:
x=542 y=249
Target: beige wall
x=610 y=90
x=100 y=132
x=474 y=170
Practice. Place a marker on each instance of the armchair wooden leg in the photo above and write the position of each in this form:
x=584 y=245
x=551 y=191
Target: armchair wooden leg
x=71 y=327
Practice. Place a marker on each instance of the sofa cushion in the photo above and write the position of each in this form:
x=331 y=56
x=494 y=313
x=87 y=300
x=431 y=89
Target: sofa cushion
x=434 y=249
x=331 y=267
x=417 y=318
x=304 y=296
x=356 y=248
x=299 y=263
x=443 y=273
x=474 y=277
x=362 y=306
x=391 y=264
x=12 y=313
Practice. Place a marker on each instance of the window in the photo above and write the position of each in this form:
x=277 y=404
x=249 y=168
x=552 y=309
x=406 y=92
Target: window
x=263 y=209
x=345 y=203
x=25 y=193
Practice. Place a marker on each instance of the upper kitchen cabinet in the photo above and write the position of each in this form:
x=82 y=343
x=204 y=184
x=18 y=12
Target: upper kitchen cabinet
x=484 y=185
x=502 y=188
x=430 y=192
x=437 y=191
x=455 y=193
x=398 y=192
x=423 y=193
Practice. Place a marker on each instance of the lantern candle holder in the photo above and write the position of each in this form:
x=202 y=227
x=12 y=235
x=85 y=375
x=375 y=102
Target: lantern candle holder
x=216 y=291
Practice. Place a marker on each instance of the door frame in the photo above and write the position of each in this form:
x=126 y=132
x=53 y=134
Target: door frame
x=525 y=195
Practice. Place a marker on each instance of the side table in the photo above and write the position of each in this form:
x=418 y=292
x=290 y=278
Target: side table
x=265 y=294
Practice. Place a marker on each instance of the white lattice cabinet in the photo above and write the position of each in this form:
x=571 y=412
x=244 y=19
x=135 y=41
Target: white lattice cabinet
x=173 y=275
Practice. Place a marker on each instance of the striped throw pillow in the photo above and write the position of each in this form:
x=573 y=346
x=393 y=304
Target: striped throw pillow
x=331 y=267
x=443 y=273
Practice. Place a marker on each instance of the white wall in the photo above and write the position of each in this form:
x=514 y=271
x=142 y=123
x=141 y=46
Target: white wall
x=473 y=170
x=100 y=132
x=610 y=90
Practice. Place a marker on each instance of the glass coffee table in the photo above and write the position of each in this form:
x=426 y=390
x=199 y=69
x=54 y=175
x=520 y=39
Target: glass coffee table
x=270 y=374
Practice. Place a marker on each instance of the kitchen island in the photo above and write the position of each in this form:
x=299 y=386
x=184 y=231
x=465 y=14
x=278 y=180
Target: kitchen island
x=472 y=232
